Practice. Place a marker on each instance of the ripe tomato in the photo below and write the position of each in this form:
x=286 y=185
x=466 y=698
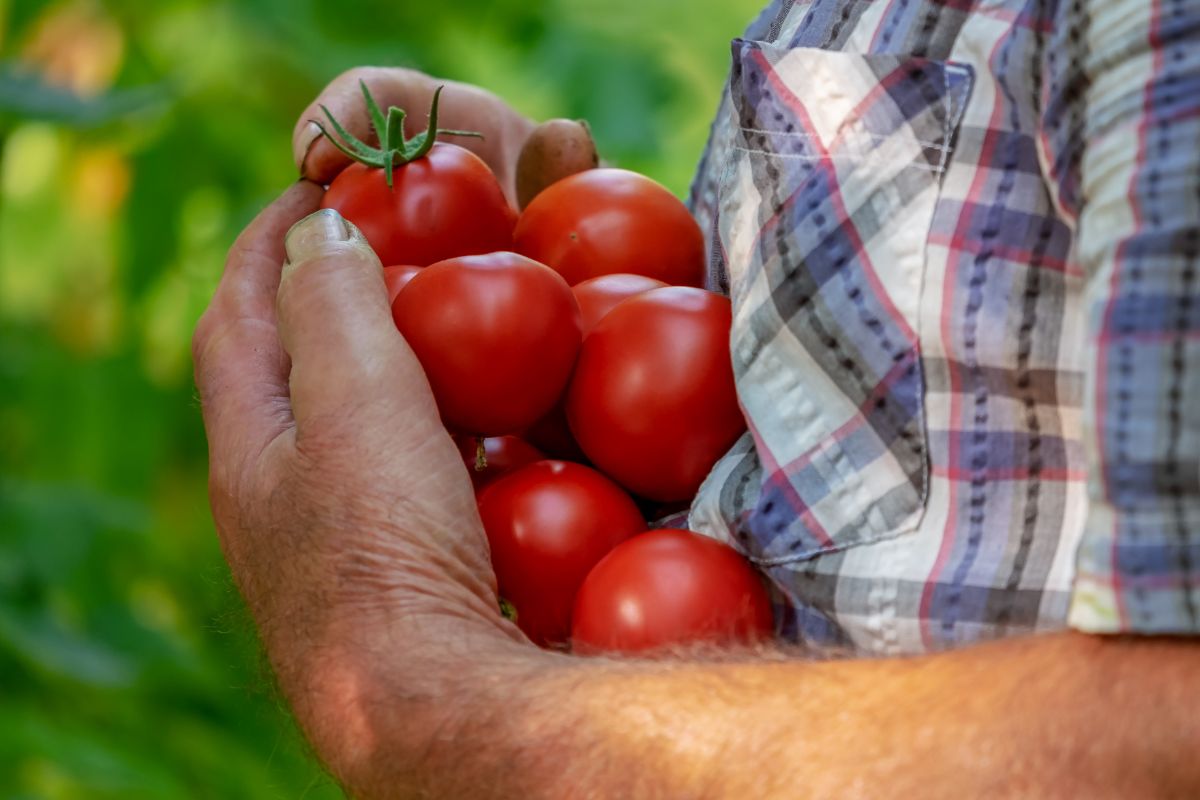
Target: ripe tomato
x=598 y=296
x=497 y=335
x=553 y=436
x=396 y=278
x=502 y=455
x=548 y=524
x=652 y=401
x=445 y=204
x=670 y=587
x=416 y=200
x=603 y=221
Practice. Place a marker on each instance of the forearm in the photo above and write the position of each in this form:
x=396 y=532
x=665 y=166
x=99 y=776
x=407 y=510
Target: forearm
x=1062 y=715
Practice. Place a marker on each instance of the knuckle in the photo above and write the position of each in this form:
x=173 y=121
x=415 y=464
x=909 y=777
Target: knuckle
x=205 y=329
x=324 y=277
x=332 y=450
x=349 y=79
x=385 y=80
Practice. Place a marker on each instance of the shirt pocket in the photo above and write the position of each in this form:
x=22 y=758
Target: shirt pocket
x=825 y=207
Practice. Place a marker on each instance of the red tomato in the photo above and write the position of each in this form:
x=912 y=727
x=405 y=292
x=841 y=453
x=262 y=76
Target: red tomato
x=598 y=296
x=552 y=435
x=652 y=401
x=502 y=455
x=444 y=204
x=548 y=524
x=670 y=587
x=602 y=221
x=497 y=335
x=397 y=278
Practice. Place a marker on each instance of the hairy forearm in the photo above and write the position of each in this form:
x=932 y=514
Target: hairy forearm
x=1060 y=715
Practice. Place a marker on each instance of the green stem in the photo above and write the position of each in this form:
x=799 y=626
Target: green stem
x=394 y=149
x=508 y=610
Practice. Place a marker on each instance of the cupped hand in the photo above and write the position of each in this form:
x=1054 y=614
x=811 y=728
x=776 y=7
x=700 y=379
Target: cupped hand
x=341 y=502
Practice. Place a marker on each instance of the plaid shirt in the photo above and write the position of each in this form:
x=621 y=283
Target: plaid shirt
x=961 y=240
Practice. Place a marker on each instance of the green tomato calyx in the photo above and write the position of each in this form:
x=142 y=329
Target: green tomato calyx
x=394 y=150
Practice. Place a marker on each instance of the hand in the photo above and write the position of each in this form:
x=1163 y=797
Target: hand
x=350 y=526
x=463 y=107
x=342 y=505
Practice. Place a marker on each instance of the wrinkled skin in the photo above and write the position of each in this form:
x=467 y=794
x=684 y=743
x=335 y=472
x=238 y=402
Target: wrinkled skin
x=329 y=461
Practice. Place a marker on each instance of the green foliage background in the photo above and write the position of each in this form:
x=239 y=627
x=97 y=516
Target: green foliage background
x=127 y=667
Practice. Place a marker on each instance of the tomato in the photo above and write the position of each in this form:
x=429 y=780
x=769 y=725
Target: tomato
x=396 y=278
x=603 y=221
x=502 y=454
x=416 y=200
x=652 y=401
x=497 y=335
x=548 y=524
x=553 y=436
x=598 y=296
x=443 y=205
x=670 y=587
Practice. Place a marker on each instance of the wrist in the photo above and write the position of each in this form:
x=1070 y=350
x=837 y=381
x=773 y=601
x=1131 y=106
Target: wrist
x=401 y=718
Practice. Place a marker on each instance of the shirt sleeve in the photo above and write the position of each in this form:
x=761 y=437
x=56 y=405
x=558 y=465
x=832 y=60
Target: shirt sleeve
x=1120 y=138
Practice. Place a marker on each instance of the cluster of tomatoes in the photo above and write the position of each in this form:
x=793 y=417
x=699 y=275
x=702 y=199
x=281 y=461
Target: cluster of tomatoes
x=581 y=368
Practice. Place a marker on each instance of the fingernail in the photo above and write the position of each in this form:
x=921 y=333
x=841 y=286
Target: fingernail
x=304 y=141
x=322 y=232
x=313 y=234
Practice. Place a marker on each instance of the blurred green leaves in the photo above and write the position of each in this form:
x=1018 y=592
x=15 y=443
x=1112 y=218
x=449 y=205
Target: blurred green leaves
x=138 y=138
x=24 y=95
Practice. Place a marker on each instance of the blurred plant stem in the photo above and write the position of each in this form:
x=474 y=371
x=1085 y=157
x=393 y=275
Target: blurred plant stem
x=4 y=131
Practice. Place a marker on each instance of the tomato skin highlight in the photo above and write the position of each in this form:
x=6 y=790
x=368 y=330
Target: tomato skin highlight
x=396 y=278
x=652 y=401
x=598 y=296
x=604 y=221
x=443 y=205
x=503 y=454
x=548 y=524
x=497 y=335
x=668 y=588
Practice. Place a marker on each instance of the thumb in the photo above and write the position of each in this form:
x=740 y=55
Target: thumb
x=336 y=326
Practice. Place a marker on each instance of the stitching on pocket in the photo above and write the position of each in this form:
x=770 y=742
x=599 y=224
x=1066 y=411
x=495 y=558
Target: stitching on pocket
x=953 y=114
x=871 y=137
x=847 y=158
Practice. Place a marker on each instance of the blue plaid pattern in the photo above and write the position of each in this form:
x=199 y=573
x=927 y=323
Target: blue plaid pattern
x=962 y=246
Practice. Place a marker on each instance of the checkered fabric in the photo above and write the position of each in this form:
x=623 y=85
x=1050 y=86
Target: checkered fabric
x=962 y=241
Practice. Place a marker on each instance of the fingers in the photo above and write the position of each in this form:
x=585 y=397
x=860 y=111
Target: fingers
x=315 y=157
x=240 y=366
x=348 y=361
x=554 y=150
x=463 y=107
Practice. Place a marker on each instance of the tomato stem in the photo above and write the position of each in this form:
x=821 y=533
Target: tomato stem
x=508 y=610
x=480 y=454
x=394 y=149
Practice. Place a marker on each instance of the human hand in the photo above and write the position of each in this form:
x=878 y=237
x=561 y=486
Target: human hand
x=342 y=505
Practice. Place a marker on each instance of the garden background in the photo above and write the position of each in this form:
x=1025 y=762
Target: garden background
x=136 y=140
